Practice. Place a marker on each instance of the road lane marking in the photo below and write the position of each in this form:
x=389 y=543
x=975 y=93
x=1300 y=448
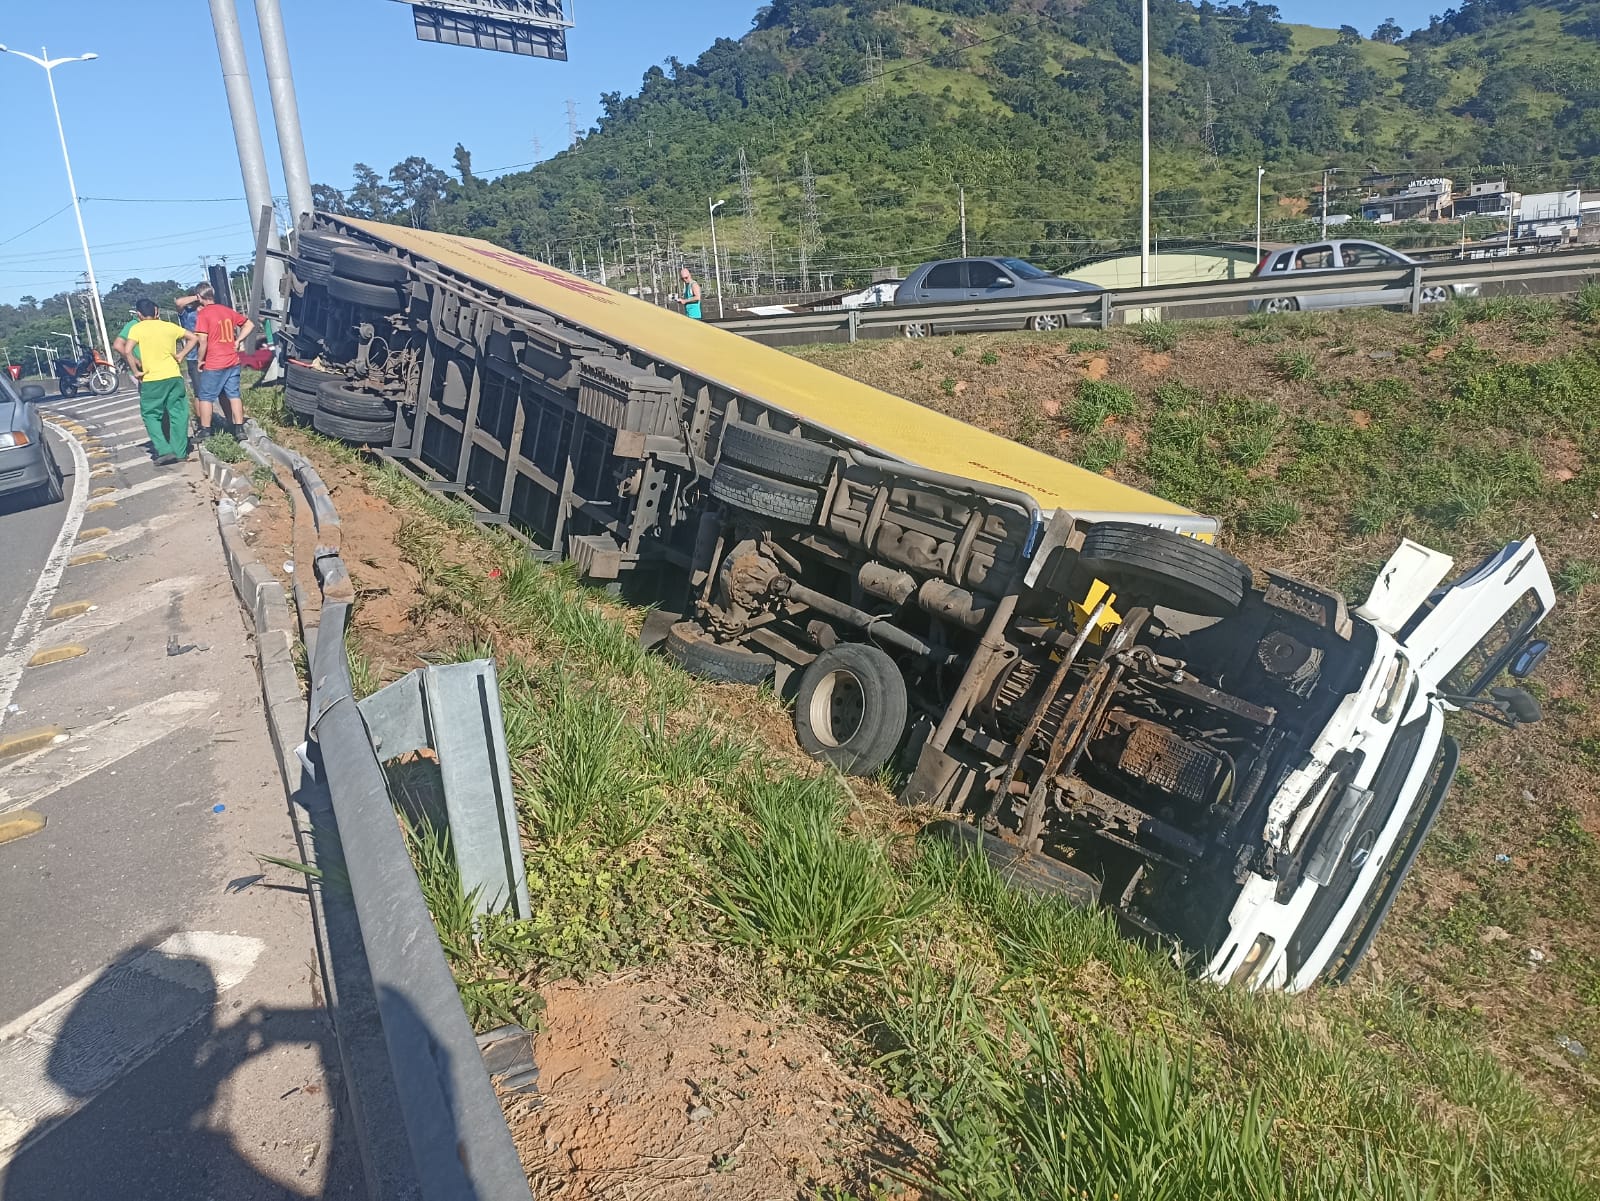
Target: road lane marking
x=58 y=654
x=143 y=486
x=20 y=824
x=44 y=589
x=30 y=740
x=61 y=1055
x=35 y=777
x=127 y=534
x=97 y=620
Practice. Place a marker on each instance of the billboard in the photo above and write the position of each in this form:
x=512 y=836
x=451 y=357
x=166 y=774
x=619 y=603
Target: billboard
x=537 y=28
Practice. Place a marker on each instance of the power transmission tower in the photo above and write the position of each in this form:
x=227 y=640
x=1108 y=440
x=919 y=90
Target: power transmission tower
x=810 y=219
x=747 y=199
x=572 y=121
x=538 y=151
x=1209 y=137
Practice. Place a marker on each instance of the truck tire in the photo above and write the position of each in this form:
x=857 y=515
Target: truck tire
x=850 y=708
x=1029 y=872
x=318 y=245
x=310 y=272
x=776 y=454
x=688 y=645
x=1158 y=567
x=341 y=398
x=363 y=433
x=386 y=298
x=365 y=267
x=768 y=497
x=301 y=385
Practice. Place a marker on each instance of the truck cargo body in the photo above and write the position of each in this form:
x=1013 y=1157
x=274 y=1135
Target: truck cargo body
x=1073 y=680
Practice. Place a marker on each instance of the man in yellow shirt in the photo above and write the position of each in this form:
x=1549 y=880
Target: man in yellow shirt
x=153 y=351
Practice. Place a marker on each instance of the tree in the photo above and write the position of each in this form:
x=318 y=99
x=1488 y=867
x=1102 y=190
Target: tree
x=328 y=199
x=1421 y=86
x=368 y=197
x=31 y=302
x=418 y=187
x=1389 y=31
x=463 y=158
x=1349 y=35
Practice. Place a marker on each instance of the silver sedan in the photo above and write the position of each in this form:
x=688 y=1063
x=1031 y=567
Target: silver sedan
x=1343 y=254
x=28 y=471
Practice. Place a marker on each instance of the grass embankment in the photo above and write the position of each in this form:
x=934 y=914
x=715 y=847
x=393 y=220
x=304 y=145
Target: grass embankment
x=666 y=822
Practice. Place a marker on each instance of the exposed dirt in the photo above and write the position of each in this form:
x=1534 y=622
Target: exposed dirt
x=651 y=1087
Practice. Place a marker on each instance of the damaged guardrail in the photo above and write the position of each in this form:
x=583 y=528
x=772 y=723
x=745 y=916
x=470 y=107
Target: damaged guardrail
x=428 y=1123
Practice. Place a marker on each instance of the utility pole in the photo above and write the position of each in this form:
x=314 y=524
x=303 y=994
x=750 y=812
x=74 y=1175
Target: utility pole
x=961 y=202
x=572 y=122
x=748 y=204
x=633 y=234
x=716 y=258
x=1144 y=144
x=600 y=249
x=537 y=151
x=246 y=134
x=286 y=111
x=1327 y=172
x=810 y=220
x=78 y=351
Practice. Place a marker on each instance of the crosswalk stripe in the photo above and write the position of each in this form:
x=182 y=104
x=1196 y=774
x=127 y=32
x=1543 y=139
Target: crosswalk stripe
x=31 y=778
x=59 y=1056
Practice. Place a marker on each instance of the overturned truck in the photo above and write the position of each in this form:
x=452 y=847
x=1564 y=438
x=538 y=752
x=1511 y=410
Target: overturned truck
x=1070 y=677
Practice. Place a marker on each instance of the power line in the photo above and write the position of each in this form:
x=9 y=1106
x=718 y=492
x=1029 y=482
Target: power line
x=37 y=224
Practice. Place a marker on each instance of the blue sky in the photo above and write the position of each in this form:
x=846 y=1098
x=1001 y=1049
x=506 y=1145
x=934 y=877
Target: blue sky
x=368 y=92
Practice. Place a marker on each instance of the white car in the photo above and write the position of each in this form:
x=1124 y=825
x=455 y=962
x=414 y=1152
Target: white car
x=1343 y=254
x=878 y=295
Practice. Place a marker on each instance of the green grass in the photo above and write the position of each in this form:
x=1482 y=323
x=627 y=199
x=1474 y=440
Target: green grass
x=225 y=447
x=1297 y=366
x=1096 y=401
x=1160 y=336
x=1046 y=1054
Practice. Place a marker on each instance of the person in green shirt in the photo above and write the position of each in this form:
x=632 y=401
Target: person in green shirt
x=153 y=349
x=690 y=297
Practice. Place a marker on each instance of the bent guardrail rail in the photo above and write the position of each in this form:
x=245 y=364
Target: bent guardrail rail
x=1102 y=308
x=428 y=1123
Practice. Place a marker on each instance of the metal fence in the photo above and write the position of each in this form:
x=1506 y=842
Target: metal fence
x=1548 y=273
x=428 y=1124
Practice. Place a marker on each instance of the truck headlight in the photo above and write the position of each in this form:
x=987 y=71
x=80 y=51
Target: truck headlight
x=1394 y=688
x=1249 y=969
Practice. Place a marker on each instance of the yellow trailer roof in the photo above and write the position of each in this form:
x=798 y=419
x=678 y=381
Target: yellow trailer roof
x=886 y=424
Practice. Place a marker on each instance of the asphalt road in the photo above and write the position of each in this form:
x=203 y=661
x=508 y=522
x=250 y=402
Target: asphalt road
x=26 y=536
x=161 y=1029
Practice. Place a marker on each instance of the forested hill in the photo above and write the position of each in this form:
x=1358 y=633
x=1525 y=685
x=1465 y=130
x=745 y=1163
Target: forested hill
x=1032 y=108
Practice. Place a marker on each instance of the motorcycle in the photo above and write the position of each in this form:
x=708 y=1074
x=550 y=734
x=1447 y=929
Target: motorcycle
x=88 y=370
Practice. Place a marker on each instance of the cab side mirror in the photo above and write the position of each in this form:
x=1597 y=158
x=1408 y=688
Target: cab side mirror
x=31 y=392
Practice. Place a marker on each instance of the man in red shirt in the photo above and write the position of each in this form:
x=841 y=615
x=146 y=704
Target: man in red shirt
x=222 y=332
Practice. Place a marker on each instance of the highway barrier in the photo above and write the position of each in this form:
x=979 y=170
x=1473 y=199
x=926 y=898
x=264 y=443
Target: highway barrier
x=1561 y=272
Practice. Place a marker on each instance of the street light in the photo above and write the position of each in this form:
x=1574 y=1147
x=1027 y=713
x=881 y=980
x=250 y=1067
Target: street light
x=716 y=259
x=1260 y=174
x=50 y=64
x=1144 y=140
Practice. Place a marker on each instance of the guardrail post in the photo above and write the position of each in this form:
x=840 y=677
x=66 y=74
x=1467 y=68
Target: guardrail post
x=1416 y=289
x=855 y=322
x=1105 y=310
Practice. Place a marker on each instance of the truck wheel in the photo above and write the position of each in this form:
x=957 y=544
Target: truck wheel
x=850 y=708
x=386 y=298
x=1035 y=872
x=688 y=645
x=363 y=266
x=776 y=454
x=1159 y=567
x=342 y=399
x=363 y=433
x=309 y=271
x=768 y=497
x=301 y=384
x=319 y=245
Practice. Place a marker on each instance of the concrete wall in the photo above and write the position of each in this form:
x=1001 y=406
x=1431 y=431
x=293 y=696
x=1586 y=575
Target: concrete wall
x=1168 y=267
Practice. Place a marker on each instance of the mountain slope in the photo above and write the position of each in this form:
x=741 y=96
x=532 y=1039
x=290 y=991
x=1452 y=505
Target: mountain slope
x=1032 y=107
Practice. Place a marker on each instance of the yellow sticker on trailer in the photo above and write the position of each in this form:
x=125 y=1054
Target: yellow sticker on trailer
x=886 y=425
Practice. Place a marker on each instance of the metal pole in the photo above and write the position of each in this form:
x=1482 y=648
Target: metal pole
x=246 y=133
x=716 y=258
x=1260 y=175
x=73 y=317
x=1144 y=138
x=49 y=66
x=961 y=196
x=286 y=110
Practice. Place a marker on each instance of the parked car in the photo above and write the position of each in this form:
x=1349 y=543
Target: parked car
x=27 y=468
x=989 y=279
x=1344 y=254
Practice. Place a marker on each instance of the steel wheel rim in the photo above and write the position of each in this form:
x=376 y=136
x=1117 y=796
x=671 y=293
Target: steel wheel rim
x=915 y=330
x=838 y=700
x=1046 y=322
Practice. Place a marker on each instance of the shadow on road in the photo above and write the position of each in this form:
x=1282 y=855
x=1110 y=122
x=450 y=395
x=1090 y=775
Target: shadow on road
x=158 y=1131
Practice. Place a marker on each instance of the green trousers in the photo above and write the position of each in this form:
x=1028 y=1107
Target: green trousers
x=164 y=405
